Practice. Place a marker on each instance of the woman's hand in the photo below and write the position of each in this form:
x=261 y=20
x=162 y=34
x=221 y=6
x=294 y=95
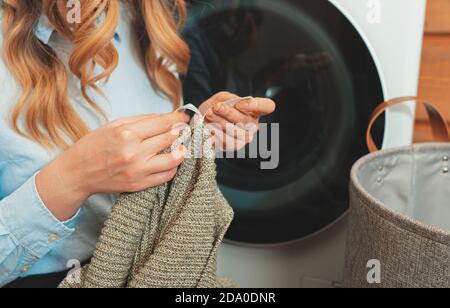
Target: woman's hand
x=122 y=156
x=234 y=127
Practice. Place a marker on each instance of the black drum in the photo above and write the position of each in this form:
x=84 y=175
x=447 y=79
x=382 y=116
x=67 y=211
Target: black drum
x=309 y=58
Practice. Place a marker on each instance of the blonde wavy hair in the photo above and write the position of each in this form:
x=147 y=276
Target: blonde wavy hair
x=49 y=117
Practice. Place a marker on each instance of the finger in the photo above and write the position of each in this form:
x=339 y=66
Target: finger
x=155 y=145
x=249 y=127
x=230 y=144
x=216 y=119
x=156 y=179
x=153 y=126
x=231 y=114
x=219 y=97
x=216 y=135
x=130 y=120
x=240 y=133
x=165 y=162
x=220 y=141
x=227 y=143
x=257 y=106
x=240 y=144
x=223 y=97
x=219 y=125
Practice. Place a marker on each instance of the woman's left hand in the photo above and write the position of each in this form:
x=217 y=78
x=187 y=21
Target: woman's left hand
x=235 y=127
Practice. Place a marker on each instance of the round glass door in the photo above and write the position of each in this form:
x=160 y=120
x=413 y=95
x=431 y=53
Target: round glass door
x=307 y=57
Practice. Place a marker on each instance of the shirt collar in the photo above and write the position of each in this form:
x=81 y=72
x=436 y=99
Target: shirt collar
x=44 y=30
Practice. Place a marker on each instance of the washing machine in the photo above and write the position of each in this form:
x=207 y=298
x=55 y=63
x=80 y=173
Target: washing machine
x=327 y=64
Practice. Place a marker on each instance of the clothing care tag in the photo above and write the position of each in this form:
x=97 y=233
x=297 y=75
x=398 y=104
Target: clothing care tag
x=231 y=103
x=192 y=108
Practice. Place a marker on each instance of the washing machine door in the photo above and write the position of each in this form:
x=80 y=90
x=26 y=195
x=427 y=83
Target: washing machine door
x=310 y=59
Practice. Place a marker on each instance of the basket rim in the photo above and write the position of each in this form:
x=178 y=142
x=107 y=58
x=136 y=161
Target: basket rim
x=408 y=223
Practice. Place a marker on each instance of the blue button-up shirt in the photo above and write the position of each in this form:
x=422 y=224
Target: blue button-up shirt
x=32 y=240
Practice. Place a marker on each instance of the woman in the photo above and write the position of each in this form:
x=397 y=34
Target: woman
x=86 y=105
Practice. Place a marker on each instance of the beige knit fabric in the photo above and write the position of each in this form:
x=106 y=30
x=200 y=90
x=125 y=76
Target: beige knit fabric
x=167 y=236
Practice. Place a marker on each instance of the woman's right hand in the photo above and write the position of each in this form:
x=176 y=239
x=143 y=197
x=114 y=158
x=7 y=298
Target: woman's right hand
x=123 y=156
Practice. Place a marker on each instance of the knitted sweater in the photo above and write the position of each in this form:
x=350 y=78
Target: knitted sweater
x=165 y=236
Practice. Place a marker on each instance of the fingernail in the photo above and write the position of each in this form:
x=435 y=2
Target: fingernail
x=219 y=108
x=245 y=104
x=182 y=149
x=180 y=152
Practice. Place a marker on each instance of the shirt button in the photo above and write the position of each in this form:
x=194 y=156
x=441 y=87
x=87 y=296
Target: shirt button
x=25 y=269
x=53 y=238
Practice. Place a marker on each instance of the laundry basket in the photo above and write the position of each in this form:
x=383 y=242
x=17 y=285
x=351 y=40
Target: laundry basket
x=399 y=234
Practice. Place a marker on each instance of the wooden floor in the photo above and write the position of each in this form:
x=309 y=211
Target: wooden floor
x=435 y=71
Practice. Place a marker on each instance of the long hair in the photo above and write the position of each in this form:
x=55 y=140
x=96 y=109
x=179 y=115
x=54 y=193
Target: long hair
x=49 y=117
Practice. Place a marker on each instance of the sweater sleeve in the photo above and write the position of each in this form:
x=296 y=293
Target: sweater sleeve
x=28 y=231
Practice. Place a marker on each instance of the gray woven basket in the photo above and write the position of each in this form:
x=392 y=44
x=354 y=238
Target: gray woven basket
x=400 y=219
x=399 y=234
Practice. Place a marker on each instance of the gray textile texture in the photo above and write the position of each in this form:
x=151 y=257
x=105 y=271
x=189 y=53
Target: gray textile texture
x=167 y=236
x=400 y=216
